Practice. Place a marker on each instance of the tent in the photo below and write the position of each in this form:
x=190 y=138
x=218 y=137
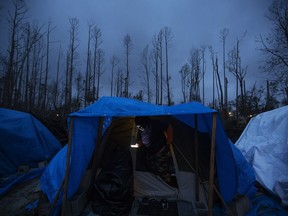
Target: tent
x=193 y=124
x=25 y=144
x=264 y=143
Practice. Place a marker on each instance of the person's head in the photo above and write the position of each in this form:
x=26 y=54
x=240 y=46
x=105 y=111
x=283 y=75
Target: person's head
x=141 y=121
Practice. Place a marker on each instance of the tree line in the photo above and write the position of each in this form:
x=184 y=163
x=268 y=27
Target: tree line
x=27 y=82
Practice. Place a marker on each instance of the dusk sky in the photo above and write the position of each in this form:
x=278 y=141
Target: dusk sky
x=193 y=23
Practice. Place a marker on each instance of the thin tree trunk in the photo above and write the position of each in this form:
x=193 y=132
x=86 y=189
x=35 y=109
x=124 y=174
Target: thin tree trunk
x=167 y=73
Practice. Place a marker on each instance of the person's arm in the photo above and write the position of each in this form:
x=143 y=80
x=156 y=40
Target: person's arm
x=139 y=140
x=169 y=134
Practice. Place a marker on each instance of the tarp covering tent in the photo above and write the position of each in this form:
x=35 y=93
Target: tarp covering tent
x=84 y=137
x=24 y=141
x=264 y=143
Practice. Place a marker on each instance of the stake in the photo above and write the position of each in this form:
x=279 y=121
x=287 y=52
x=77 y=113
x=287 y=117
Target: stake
x=196 y=158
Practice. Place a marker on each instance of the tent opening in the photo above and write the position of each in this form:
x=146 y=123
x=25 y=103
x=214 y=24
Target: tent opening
x=122 y=181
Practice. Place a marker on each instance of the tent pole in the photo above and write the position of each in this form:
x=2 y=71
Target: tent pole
x=196 y=158
x=66 y=180
x=215 y=188
x=212 y=162
x=56 y=198
x=96 y=151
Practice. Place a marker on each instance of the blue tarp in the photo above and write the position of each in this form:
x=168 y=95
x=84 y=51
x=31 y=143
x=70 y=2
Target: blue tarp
x=11 y=181
x=246 y=175
x=24 y=141
x=84 y=138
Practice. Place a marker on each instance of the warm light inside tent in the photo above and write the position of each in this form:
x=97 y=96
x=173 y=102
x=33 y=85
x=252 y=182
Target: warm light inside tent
x=136 y=145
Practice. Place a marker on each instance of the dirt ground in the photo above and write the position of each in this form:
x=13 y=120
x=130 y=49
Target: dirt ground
x=21 y=200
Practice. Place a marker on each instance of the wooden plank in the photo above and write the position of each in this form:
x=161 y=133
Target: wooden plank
x=212 y=163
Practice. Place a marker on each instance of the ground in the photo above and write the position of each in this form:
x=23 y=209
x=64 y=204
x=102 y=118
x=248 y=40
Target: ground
x=21 y=200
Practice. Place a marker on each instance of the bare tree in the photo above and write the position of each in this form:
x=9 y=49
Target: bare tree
x=88 y=65
x=56 y=92
x=167 y=32
x=40 y=85
x=203 y=48
x=66 y=89
x=271 y=95
x=32 y=80
x=275 y=46
x=15 y=20
x=155 y=59
x=185 y=72
x=223 y=35
x=97 y=39
x=235 y=67
x=72 y=50
x=49 y=30
x=213 y=74
x=22 y=66
x=160 y=55
x=195 y=74
x=114 y=61
x=241 y=77
x=254 y=102
x=145 y=63
x=100 y=70
x=219 y=85
x=28 y=104
x=79 y=90
x=127 y=43
x=119 y=83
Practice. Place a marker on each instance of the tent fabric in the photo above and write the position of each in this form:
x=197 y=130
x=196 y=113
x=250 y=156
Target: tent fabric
x=54 y=174
x=114 y=106
x=147 y=184
x=25 y=141
x=85 y=137
x=263 y=205
x=264 y=144
x=15 y=179
x=114 y=183
x=246 y=175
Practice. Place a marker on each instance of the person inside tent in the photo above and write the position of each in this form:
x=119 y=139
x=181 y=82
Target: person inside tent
x=152 y=134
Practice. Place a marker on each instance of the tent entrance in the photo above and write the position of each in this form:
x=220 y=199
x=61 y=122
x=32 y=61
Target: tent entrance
x=185 y=188
x=146 y=183
x=187 y=193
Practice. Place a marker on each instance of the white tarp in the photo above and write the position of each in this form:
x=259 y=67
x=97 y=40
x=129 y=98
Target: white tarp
x=264 y=143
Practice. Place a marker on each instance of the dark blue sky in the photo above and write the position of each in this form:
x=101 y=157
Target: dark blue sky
x=193 y=23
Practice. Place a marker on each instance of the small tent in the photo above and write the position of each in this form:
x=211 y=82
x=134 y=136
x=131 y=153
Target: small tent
x=24 y=142
x=264 y=143
x=193 y=125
